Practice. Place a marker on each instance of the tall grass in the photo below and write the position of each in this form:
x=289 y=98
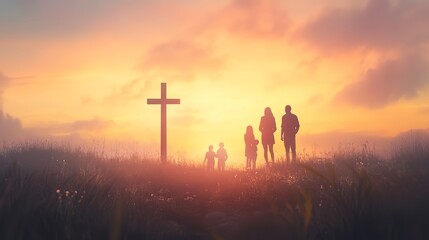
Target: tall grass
x=50 y=191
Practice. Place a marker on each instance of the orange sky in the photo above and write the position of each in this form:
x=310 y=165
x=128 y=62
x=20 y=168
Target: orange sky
x=84 y=69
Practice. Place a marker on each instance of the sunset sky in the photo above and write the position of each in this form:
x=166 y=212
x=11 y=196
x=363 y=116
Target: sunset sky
x=351 y=70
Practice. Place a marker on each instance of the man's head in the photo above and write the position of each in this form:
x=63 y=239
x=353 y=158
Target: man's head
x=288 y=108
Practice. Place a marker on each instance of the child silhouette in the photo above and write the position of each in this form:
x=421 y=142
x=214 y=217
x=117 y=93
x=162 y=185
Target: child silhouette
x=251 y=148
x=210 y=158
x=222 y=156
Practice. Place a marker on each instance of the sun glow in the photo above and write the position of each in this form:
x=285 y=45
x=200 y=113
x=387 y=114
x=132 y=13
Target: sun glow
x=89 y=77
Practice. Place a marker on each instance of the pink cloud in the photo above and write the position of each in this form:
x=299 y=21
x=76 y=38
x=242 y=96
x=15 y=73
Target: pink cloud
x=386 y=27
x=3 y=81
x=10 y=127
x=132 y=90
x=379 y=24
x=181 y=57
x=342 y=141
x=76 y=128
x=95 y=124
x=260 y=18
x=388 y=82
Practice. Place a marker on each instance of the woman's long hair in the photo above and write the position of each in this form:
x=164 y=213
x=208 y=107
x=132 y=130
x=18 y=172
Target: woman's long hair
x=268 y=113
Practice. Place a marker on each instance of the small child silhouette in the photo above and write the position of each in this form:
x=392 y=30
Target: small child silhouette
x=210 y=158
x=254 y=154
x=251 y=148
x=222 y=156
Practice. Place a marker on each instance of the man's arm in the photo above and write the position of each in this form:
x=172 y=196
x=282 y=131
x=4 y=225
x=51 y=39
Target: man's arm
x=297 y=125
x=282 y=130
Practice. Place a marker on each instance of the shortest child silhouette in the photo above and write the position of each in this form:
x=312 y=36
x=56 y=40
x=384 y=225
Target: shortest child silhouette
x=254 y=154
x=210 y=158
x=222 y=156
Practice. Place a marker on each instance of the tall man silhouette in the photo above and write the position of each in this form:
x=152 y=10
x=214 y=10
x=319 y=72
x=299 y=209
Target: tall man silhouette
x=290 y=127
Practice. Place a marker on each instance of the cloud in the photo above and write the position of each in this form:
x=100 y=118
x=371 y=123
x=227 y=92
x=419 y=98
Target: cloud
x=379 y=24
x=80 y=133
x=10 y=127
x=183 y=57
x=412 y=137
x=388 y=82
x=92 y=125
x=387 y=27
x=132 y=90
x=424 y=111
x=46 y=18
x=77 y=127
x=4 y=82
x=335 y=141
x=256 y=18
x=414 y=141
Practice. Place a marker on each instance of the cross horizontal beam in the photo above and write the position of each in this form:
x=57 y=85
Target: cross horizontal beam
x=163 y=101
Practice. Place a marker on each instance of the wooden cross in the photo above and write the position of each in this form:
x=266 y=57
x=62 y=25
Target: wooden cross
x=163 y=101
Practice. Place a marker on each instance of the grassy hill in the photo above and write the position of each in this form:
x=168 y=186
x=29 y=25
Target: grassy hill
x=55 y=192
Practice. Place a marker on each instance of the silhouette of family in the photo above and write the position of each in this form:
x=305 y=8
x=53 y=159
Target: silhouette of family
x=267 y=127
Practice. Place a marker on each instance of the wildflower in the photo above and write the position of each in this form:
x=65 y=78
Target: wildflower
x=67 y=193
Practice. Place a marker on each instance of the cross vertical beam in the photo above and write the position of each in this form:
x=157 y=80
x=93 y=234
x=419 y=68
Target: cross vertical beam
x=163 y=101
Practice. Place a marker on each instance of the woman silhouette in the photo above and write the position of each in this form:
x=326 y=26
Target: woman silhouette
x=267 y=126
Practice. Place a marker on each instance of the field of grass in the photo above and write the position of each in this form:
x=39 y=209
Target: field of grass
x=49 y=191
